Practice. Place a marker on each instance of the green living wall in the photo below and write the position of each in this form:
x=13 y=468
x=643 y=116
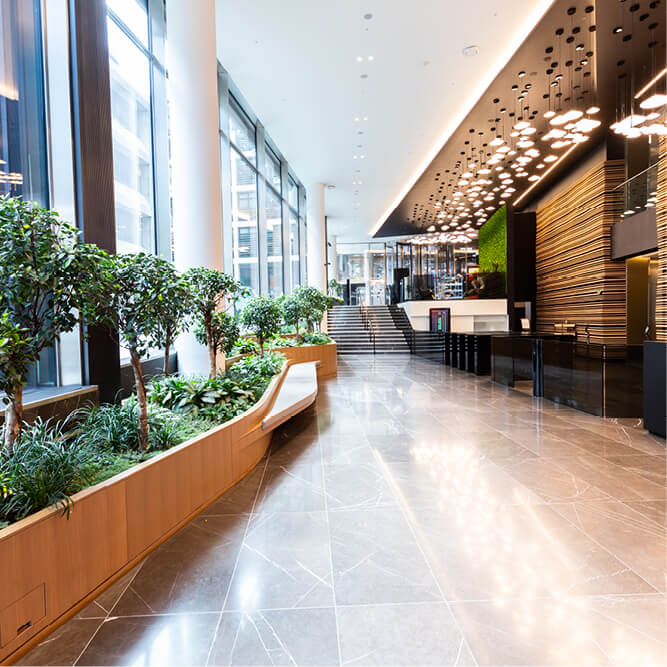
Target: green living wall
x=493 y=243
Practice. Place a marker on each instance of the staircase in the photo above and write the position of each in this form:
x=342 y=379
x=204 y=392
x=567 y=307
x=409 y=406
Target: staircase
x=347 y=325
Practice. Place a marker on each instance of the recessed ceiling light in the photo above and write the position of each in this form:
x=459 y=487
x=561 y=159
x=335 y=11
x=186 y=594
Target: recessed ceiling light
x=360 y=59
x=470 y=51
x=368 y=16
x=371 y=59
x=617 y=29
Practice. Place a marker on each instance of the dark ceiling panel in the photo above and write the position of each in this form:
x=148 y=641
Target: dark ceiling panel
x=583 y=54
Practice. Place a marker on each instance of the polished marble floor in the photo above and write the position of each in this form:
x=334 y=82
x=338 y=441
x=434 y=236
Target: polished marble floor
x=416 y=515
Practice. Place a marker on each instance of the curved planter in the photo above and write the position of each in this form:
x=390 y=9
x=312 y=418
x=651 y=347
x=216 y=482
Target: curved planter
x=325 y=354
x=52 y=566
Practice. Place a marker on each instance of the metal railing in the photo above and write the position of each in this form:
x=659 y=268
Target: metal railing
x=369 y=325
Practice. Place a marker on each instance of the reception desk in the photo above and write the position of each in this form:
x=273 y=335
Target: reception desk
x=467 y=315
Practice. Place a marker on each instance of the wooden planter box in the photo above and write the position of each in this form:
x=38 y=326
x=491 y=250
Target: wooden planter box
x=51 y=566
x=325 y=354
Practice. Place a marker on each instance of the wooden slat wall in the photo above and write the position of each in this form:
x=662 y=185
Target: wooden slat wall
x=661 y=217
x=576 y=279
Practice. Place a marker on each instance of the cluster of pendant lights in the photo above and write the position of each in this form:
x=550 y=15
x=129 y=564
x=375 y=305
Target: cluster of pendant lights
x=651 y=123
x=484 y=184
x=473 y=197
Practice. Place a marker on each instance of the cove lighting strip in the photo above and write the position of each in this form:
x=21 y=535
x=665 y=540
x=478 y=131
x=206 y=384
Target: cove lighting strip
x=546 y=173
x=521 y=36
x=650 y=83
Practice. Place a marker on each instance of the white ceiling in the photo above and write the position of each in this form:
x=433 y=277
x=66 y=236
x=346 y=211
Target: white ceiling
x=295 y=61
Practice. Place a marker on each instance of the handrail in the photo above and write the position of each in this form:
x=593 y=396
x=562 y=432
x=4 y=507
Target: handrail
x=371 y=333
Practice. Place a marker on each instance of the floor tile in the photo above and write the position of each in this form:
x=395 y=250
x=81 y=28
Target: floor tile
x=284 y=563
x=636 y=541
x=517 y=551
x=613 y=630
x=178 y=639
x=285 y=637
x=297 y=488
x=401 y=634
x=376 y=559
x=357 y=486
x=241 y=497
x=64 y=645
x=190 y=572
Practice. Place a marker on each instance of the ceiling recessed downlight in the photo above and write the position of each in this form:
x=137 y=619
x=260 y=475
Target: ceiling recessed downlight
x=470 y=51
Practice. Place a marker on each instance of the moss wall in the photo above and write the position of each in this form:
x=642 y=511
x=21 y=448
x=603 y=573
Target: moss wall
x=493 y=243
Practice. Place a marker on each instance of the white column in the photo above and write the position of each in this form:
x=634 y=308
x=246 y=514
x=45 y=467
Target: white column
x=195 y=149
x=317 y=239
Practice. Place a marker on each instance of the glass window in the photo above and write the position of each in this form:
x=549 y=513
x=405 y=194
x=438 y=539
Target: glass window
x=242 y=133
x=274 y=242
x=132 y=143
x=292 y=193
x=272 y=169
x=23 y=156
x=134 y=14
x=23 y=152
x=294 y=247
x=244 y=222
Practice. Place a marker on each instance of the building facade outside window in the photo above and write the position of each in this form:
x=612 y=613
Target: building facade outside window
x=135 y=31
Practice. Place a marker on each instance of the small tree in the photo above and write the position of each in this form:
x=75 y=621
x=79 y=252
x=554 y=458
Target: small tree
x=130 y=303
x=44 y=273
x=225 y=332
x=212 y=291
x=293 y=309
x=315 y=303
x=262 y=316
x=173 y=309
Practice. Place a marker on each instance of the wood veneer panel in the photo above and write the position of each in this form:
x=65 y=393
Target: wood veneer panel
x=576 y=278
x=661 y=222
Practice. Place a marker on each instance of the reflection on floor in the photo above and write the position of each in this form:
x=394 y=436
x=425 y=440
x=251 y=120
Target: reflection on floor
x=417 y=516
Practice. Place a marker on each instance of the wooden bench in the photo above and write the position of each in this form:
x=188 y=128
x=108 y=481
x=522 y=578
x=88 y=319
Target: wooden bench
x=297 y=392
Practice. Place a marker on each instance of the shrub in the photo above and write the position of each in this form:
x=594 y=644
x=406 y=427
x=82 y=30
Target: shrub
x=255 y=373
x=316 y=338
x=246 y=346
x=263 y=317
x=46 y=467
x=210 y=398
x=113 y=427
x=279 y=341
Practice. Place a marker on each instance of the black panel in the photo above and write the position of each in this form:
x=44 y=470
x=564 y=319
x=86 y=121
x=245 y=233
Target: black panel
x=521 y=280
x=655 y=387
x=634 y=236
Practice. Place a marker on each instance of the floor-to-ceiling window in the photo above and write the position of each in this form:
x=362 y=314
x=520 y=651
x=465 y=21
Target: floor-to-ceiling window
x=245 y=248
x=294 y=252
x=274 y=224
x=23 y=145
x=138 y=109
x=263 y=213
